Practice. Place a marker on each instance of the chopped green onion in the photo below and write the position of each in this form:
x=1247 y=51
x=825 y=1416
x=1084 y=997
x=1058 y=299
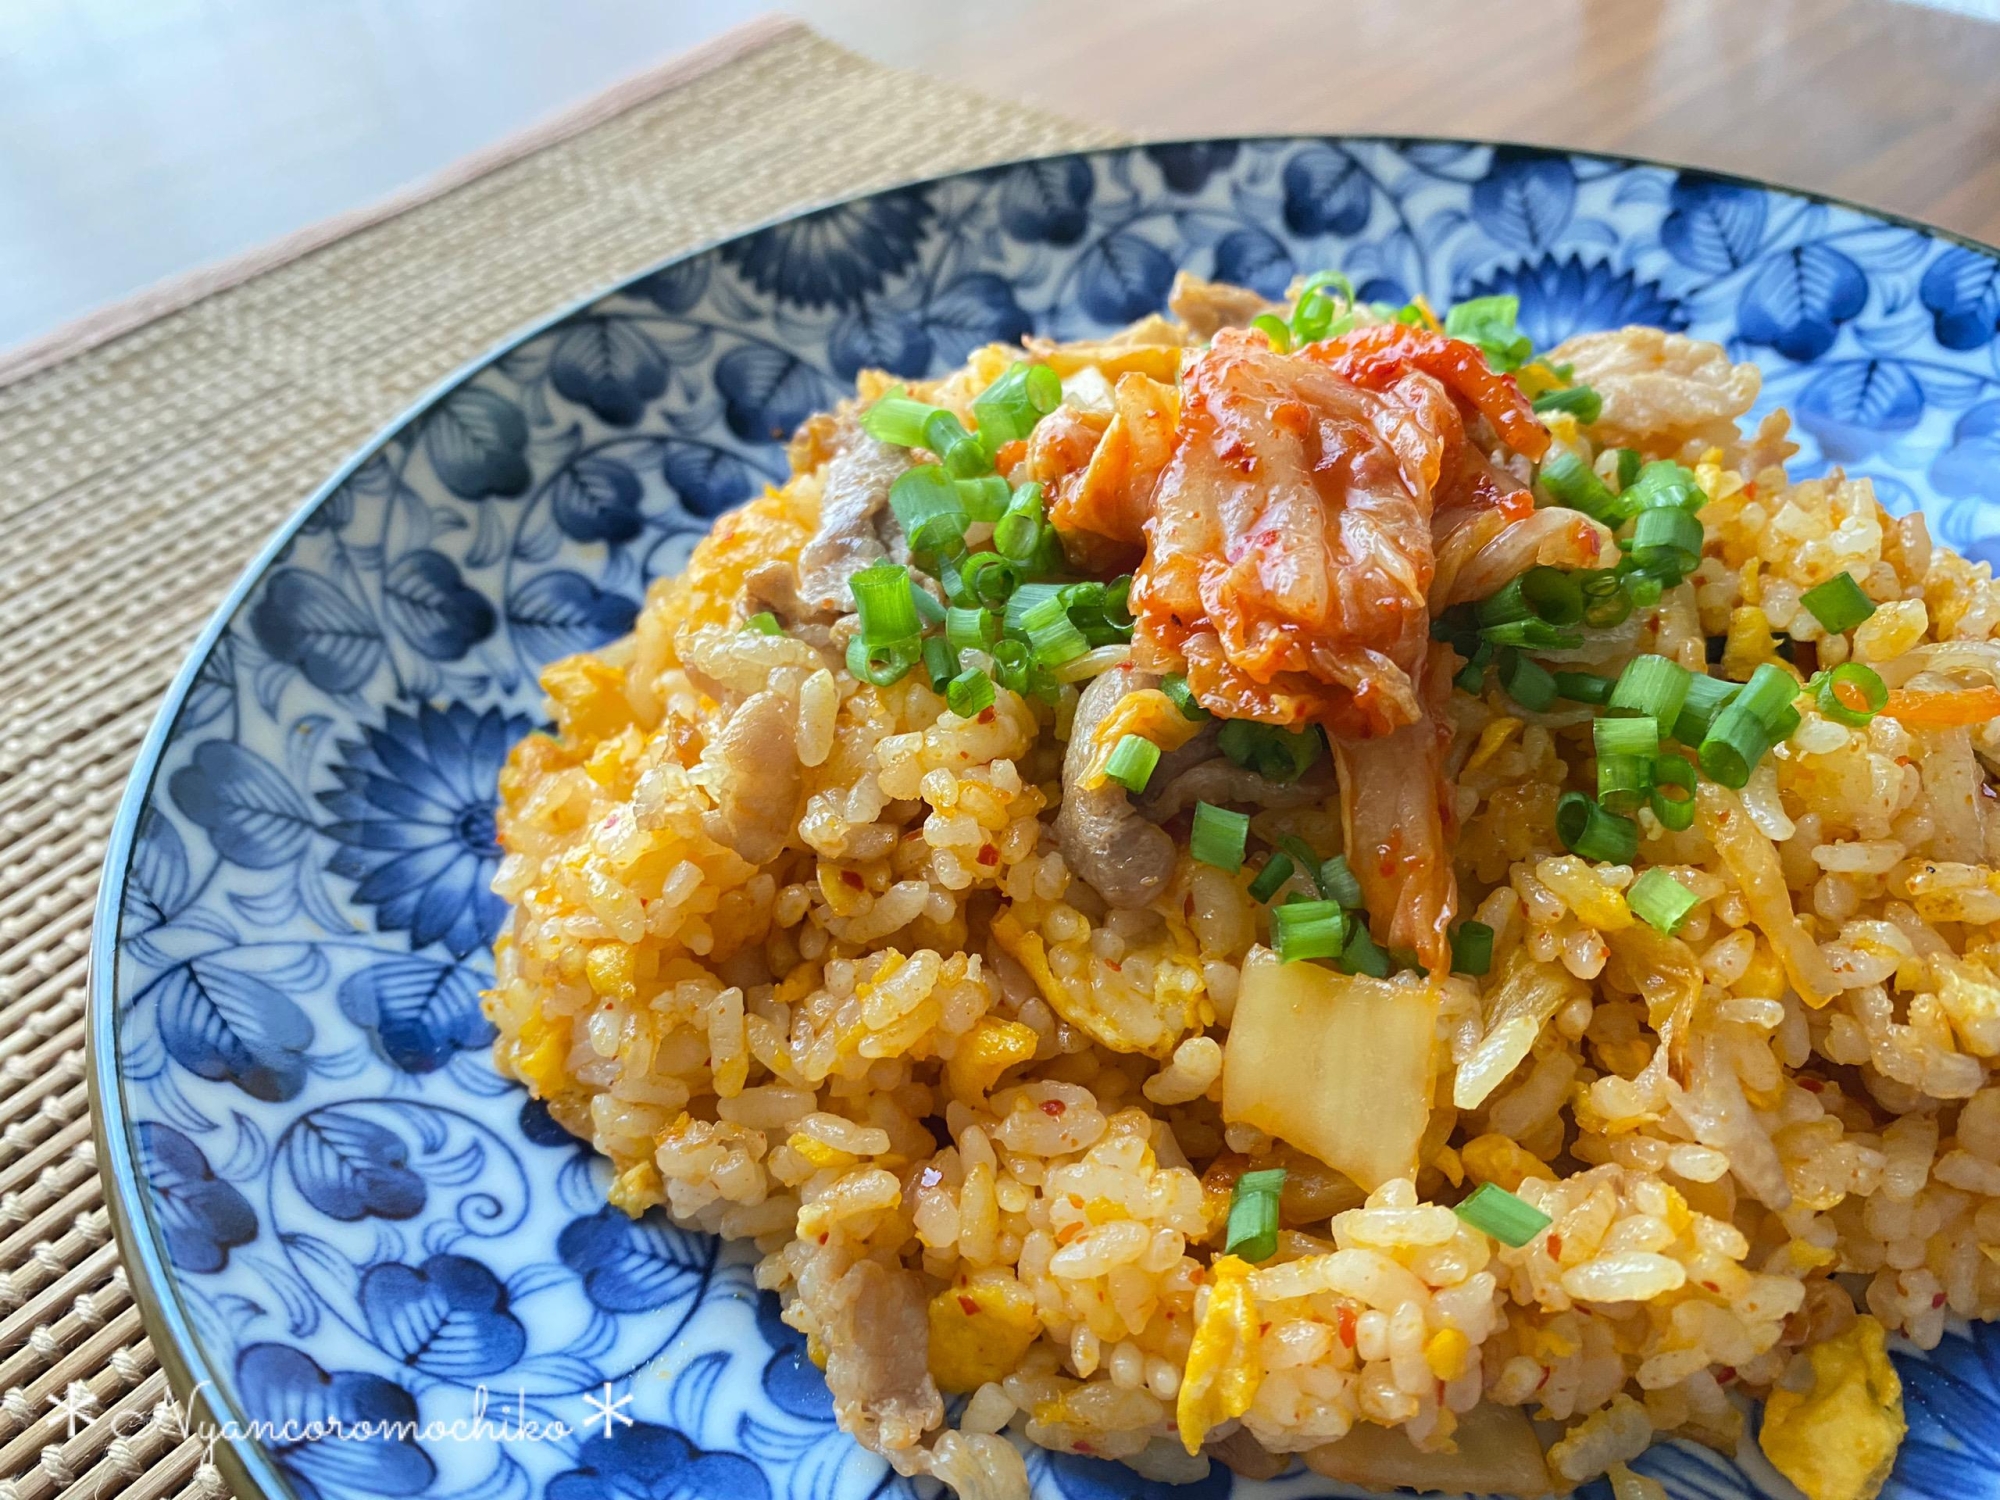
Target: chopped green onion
x=987 y=579
x=1010 y=407
x=930 y=509
x=1584 y=687
x=1640 y=736
x=1175 y=686
x=1271 y=879
x=1673 y=774
x=970 y=692
x=1018 y=533
x=896 y=418
x=1666 y=540
x=1308 y=929
x=1274 y=753
x=1013 y=664
x=1528 y=683
x=1319 y=280
x=1768 y=693
x=1312 y=315
x=882 y=662
x=1052 y=635
x=928 y=609
x=1276 y=329
x=1651 y=686
x=1623 y=781
x=1659 y=899
x=1533 y=635
x=1472 y=949
x=1336 y=882
x=1028 y=596
x=1588 y=830
x=1838 y=604
x=985 y=499
x=1783 y=723
x=1852 y=694
x=1219 y=836
x=940 y=662
x=958 y=451
x=1605 y=602
x=764 y=623
x=1491 y=323
x=1471 y=677
x=886 y=603
x=1706 y=697
x=1361 y=956
x=971 y=629
x=1663 y=485
x=1580 y=401
x=1629 y=464
x=1735 y=742
x=1643 y=589
x=1098 y=610
x=1571 y=483
x=1540 y=593
x=1252 y=1232
x=1493 y=1210
x=1131 y=762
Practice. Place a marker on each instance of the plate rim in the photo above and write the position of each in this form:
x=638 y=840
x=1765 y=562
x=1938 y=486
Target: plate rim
x=248 y=1469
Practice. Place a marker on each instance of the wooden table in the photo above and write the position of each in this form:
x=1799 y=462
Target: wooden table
x=137 y=141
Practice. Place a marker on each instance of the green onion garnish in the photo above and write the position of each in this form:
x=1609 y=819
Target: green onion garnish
x=1528 y=683
x=1605 y=602
x=1571 y=483
x=881 y=662
x=958 y=451
x=1659 y=899
x=1308 y=929
x=1652 y=687
x=969 y=693
x=1337 y=883
x=897 y=419
x=1542 y=593
x=1052 y=635
x=1271 y=879
x=1361 y=956
x=1623 y=781
x=985 y=499
x=1471 y=677
x=1643 y=589
x=1010 y=407
x=1580 y=401
x=764 y=623
x=886 y=602
x=1312 y=315
x=1666 y=541
x=1252 y=1233
x=1131 y=762
x=1628 y=468
x=1639 y=736
x=1472 y=949
x=1492 y=324
x=1273 y=752
x=1013 y=664
x=1175 y=686
x=1584 y=687
x=1493 y=1210
x=930 y=509
x=1838 y=604
x=971 y=629
x=1851 y=694
x=1219 y=836
x=989 y=579
x=1017 y=535
x=1276 y=329
x=1672 y=794
x=1663 y=485
x=1588 y=830
x=1733 y=745
x=940 y=662
x=1705 y=699
x=1768 y=693
x=1533 y=635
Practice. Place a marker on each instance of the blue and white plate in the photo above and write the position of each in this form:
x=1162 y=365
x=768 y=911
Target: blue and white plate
x=384 y=1267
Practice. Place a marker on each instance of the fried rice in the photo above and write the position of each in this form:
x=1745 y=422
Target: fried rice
x=940 y=1018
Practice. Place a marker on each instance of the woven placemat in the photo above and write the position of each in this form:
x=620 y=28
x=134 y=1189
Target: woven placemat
x=139 y=476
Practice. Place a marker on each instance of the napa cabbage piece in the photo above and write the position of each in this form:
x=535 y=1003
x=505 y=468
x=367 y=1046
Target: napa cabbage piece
x=1517 y=1008
x=1497 y=1454
x=1339 y=1065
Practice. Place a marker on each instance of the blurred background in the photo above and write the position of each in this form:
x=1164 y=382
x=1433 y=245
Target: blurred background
x=142 y=138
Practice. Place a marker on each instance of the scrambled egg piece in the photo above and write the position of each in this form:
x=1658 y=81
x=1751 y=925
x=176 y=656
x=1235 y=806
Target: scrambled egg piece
x=981 y=1327
x=1838 y=1440
x=1224 y=1368
x=991 y=1049
x=1148 y=713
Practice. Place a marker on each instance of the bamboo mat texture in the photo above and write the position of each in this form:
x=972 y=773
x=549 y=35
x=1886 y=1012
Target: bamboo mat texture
x=147 y=453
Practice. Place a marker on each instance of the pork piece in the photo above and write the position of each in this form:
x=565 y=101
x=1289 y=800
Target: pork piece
x=878 y=1357
x=1221 y=782
x=1103 y=837
x=856 y=527
x=1205 y=308
x=760 y=781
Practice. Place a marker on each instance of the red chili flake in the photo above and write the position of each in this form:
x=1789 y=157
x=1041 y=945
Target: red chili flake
x=853 y=878
x=1262 y=1329
x=1938 y=1300
x=1809 y=1084
x=967 y=1304
x=986 y=715
x=1344 y=1324
x=1053 y=1108
x=1554 y=1244
x=988 y=855
x=1750 y=489
x=1083 y=1446
x=1709 y=1286
x=824 y=1238
x=1726 y=1374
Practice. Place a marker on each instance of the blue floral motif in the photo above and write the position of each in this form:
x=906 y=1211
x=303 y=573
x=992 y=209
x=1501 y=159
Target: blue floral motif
x=306 y=1134
x=835 y=255
x=645 y=1462
x=1079 y=1478
x=448 y=1316
x=287 y=1391
x=1564 y=297
x=414 y=821
x=201 y=1217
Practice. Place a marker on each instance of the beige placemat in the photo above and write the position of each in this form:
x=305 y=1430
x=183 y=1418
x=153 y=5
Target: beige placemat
x=138 y=476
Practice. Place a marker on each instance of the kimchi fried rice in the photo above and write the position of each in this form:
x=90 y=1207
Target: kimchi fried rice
x=1301 y=882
